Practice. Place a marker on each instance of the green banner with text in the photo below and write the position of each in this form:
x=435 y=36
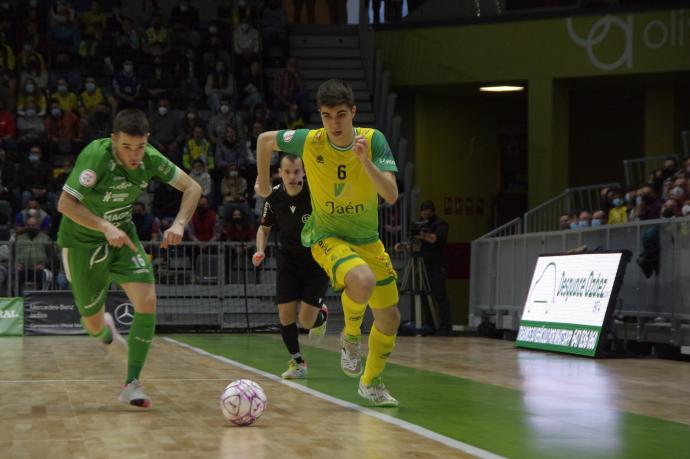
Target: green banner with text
x=11 y=316
x=560 y=337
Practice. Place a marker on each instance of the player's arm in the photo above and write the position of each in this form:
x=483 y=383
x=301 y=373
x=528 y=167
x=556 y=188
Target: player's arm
x=384 y=181
x=191 y=192
x=265 y=145
x=70 y=206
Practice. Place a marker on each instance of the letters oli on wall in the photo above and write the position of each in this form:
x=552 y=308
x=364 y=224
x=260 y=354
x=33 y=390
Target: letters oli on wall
x=653 y=34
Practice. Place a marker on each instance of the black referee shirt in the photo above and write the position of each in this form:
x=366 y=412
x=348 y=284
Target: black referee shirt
x=288 y=214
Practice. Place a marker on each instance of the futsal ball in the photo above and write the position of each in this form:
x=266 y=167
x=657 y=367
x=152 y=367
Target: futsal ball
x=242 y=402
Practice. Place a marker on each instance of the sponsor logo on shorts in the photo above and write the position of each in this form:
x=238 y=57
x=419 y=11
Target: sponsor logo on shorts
x=87 y=178
x=288 y=136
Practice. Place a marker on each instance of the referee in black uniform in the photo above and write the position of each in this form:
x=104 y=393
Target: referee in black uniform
x=300 y=279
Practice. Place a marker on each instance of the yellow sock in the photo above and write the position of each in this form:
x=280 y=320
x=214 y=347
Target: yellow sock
x=380 y=348
x=354 y=315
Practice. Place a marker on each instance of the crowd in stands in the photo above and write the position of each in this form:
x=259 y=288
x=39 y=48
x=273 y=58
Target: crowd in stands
x=664 y=195
x=67 y=66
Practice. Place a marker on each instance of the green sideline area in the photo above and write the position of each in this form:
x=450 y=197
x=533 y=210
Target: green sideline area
x=506 y=422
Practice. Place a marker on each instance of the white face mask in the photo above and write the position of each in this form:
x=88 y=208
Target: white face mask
x=224 y=109
x=686 y=210
x=162 y=110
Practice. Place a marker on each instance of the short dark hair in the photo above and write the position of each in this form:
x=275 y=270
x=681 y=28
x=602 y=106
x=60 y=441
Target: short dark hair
x=131 y=122
x=290 y=157
x=427 y=205
x=334 y=92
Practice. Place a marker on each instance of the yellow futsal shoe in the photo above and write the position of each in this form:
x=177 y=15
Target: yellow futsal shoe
x=295 y=370
x=377 y=393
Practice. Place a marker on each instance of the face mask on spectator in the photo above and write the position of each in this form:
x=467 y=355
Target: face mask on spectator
x=233 y=174
x=30 y=112
x=62 y=89
x=677 y=191
x=55 y=112
x=90 y=87
x=638 y=200
x=28 y=47
x=686 y=210
x=573 y=226
x=29 y=88
x=32 y=232
x=128 y=68
x=617 y=202
x=191 y=116
x=583 y=224
x=596 y=222
x=224 y=109
x=668 y=213
x=33 y=157
x=162 y=110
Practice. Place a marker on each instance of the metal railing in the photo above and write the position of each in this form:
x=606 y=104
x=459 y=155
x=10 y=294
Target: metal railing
x=545 y=216
x=656 y=308
x=637 y=170
x=511 y=228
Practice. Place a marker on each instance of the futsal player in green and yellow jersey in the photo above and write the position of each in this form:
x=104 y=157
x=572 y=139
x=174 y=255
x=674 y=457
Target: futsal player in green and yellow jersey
x=347 y=169
x=99 y=241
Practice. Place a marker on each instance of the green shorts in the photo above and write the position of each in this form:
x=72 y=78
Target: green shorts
x=91 y=270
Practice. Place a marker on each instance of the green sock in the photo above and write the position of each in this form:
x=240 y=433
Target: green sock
x=140 y=337
x=105 y=335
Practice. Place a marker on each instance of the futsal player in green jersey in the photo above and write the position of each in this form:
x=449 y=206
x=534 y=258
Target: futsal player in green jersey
x=99 y=241
x=347 y=169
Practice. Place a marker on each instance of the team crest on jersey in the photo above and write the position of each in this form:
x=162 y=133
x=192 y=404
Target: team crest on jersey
x=288 y=136
x=320 y=160
x=87 y=178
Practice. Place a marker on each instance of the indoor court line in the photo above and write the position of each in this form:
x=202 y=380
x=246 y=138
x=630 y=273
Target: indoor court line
x=450 y=442
x=24 y=381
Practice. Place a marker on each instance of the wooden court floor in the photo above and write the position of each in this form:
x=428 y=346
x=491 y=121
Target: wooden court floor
x=58 y=400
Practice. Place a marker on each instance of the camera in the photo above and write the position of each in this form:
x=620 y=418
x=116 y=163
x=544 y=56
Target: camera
x=418 y=227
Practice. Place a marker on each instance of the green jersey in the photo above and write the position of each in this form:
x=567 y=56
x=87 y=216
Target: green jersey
x=108 y=189
x=343 y=198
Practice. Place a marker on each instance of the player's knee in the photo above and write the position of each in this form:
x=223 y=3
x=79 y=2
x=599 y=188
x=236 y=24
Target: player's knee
x=360 y=285
x=389 y=322
x=147 y=304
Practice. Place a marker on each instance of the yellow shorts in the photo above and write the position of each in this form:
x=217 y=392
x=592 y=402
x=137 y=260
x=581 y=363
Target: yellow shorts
x=338 y=257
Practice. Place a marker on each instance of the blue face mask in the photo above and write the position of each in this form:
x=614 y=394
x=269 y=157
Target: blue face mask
x=596 y=222
x=584 y=224
x=90 y=87
x=33 y=157
x=573 y=226
x=617 y=202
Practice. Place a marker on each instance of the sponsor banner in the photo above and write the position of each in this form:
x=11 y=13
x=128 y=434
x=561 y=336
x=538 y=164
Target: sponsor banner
x=570 y=338
x=569 y=301
x=11 y=316
x=53 y=312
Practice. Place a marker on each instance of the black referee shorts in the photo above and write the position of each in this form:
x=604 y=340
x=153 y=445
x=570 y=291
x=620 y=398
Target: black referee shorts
x=300 y=278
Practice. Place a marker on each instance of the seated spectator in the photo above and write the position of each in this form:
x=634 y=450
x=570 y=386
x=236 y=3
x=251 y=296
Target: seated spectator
x=251 y=87
x=226 y=117
x=126 y=43
x=184 y=21
x=97 y=55
x=65 y=68
x=127 y=86
x=36 y=71
x=8 y=128
x=32 y=210
x=67 y=100
x=32 y=253
x=670 y=209
x=197 y=148
x=686 y=208
x=598 y=218
x=191 y=121
x=202 y=227
x=156 y=35
x=245 y=44
x=147 y=225
x=30 y=60
x=288 y=88
x=202 y=177
x=30 y=94
x=685 y=171
x=216 y=51
x=619 y=210
x=165 y=131
x=231 y=151
x=238 y=228
x=63 y=130
x=93 y=20
x=584 y=219
x=670 y=167
x=220 y=84
x=64 y=30
x=293 y=118
x=159 y=83
x=564 y=222
x=99 y=123
x=233 y=188
x=8 y=181
x=679 y=190
x=649 y=204
x=31 y=126
x=93 y=96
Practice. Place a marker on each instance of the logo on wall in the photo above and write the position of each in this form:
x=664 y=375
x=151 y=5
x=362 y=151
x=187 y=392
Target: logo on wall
x=655 y=34
x=124 y=314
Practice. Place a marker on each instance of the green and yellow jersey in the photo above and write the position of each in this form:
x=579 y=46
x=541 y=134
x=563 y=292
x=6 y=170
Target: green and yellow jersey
x=343 y=197
x=108 y=189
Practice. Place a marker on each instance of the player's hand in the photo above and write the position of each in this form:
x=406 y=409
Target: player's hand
x=258 y=258
x=262 y=189
x=173 y=235
x=117 y=238
x=359 y=148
